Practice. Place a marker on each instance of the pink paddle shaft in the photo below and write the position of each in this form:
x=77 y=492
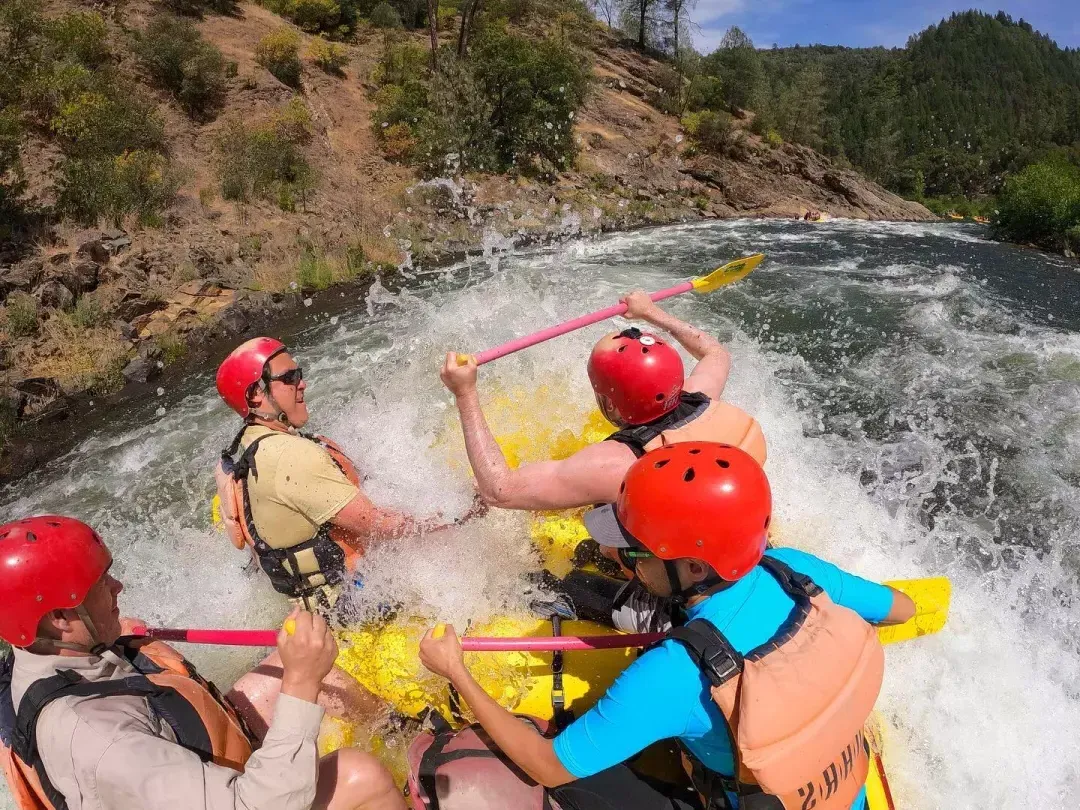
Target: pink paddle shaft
x=268 y=638
x=520 y=343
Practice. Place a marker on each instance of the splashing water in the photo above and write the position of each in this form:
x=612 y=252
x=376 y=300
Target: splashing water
x=919 y=386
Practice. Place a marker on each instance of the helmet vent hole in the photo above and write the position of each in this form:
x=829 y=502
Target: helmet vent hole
x=695 y=451
x=52 y=523
x=688 y=476
x=31 y=537
x=622 y=349
x=767 y=521
x=723 y=462
x=4 y=536
x=659 y=397
x=644 y=349
x=662 y=463
x=622 y=487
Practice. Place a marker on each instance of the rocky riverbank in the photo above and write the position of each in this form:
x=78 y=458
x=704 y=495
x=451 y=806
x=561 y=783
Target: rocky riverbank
x=94 y=315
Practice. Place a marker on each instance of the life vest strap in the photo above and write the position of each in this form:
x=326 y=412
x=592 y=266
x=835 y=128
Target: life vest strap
x=692 y=404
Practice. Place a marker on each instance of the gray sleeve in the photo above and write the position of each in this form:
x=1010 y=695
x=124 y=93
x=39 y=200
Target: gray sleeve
x=137 y=770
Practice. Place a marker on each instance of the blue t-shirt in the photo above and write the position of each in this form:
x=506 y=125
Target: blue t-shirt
x=664 y=694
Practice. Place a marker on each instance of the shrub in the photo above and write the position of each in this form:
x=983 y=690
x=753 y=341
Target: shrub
x=81 y=35
x=1041 y=204
x=50 y=88
x=109 y=122
x=398 y=141
x=88 y=312
x=315 y=16
x=402 y=63
x=710 y=130
x=139 y=183
x=535 y=89
x=12 y=183
x=21 y=314
x=314 y=271
x=385 y=15
x=181 y=61
x=278 y=52
x=329 y=57
x=510 y=105
x=773 y=139
x=265 y=161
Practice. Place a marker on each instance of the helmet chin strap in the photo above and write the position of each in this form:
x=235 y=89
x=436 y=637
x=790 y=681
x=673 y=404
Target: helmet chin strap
x=97 y=648
x=679 y=594
x=278 y=415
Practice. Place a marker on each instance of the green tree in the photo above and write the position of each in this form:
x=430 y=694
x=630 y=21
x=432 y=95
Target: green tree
x=738 y=65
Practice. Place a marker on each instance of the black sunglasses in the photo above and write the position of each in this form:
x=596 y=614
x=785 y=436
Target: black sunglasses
x=291 y=377
x=630 y=557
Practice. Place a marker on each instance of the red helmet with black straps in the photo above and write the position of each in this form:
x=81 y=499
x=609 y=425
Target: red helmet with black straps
x=243 y=368
x=636 y=377
x=46 y=563
x=699 y=500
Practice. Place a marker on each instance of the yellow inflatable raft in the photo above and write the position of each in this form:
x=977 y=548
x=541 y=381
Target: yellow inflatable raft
x=385 y=659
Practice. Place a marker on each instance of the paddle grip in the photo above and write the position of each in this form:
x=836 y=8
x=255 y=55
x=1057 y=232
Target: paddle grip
x=569 y=326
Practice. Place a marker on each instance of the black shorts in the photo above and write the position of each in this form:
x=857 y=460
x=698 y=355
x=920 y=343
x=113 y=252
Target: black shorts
x=620 y=788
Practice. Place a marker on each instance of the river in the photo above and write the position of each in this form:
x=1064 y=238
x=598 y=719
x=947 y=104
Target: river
x=919 y=386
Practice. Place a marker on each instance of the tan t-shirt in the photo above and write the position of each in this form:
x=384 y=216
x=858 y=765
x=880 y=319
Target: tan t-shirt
x=298 y=487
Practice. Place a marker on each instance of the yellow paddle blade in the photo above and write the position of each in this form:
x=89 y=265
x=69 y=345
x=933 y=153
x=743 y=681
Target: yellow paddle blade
x=931 y=596
x=215 y=510
x=730 y=272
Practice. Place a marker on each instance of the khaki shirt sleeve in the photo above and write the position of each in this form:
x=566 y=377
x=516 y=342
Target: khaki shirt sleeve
x=145 y=771
x=310 y=482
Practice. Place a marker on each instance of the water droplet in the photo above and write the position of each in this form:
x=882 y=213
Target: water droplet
x=308 y=302
x=161 y=392
x=160 y=411
x=334 y=320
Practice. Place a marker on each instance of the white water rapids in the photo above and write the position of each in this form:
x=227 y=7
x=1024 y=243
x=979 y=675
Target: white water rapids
x=919 y=387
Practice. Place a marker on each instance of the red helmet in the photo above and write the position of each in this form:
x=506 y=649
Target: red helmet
x=244 y=367
x=702 y=500
x=636 y=377
x=46 y=563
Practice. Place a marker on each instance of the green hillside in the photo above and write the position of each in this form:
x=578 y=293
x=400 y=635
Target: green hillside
x=967 y=102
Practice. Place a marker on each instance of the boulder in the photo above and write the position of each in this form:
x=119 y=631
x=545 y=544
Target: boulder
x=41 y=396
x=22 y=277
x=115 y=241
x=133 y=305
x=54 y=294
x=94 y=250
x=140 y=370
x=144 y=366
x=81 y=277
x=126 y=330
x=233 y=321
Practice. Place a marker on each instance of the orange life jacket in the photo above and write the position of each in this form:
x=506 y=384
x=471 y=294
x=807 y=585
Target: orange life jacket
x=334 y=548
x=796 y=706
x=202 y=720
x=697 y=418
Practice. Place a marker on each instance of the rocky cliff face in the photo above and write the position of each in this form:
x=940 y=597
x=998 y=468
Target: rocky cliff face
x=88 y=312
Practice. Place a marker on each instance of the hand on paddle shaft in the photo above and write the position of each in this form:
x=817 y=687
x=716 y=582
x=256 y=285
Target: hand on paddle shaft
x=441 y=653
x=460 y=378
x=639 y=306
x=308 y=651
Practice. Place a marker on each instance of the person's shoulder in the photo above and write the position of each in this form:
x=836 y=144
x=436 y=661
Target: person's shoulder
x=794 y=557
x=81 y=728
